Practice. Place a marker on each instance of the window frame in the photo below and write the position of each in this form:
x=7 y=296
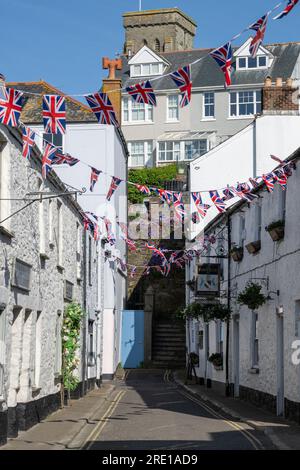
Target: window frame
x=205 y=105
x=238 y=103
x=173 y=142
x=246 y=58
x=147 y=152
x=169 y=119
x=148 y=110
x=200 y=153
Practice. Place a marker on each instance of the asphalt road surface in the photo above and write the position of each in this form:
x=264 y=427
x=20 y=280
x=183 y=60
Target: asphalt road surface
x=149 y=412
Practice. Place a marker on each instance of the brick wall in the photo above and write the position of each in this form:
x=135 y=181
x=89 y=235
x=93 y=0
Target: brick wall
x=280 y=97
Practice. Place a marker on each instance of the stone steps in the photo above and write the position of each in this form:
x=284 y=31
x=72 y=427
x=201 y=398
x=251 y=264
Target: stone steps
x=169 y=349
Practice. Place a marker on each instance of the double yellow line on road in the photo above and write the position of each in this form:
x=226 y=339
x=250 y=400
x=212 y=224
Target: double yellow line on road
x=256 y=444
x=102 y=423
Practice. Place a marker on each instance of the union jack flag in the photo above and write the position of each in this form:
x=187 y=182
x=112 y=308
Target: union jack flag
x=64 y=158
x=260 y=27
x=110 y=236
x=217 y=201
x=143 y=189
x=243 y=190
x=142 y=93
x=113 y=186
x=49 y=157
x=223 y=57
x=288 y=169
x=182 y=78
x=254 y=182
x=133 y=271
x=101 y=106
x=94 y=178
x=54 y=114
x=269 y=181
x=124 y=236
x=166 y=196
x=155 y=250
x=196 y=218
x=28 y=141
x=281 y=178
x=201 y=208
x=11 y=107
x=229 y=193
x=179 y=206
x=290 y=5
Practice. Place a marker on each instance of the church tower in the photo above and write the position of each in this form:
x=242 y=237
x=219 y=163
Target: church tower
x=164 y=30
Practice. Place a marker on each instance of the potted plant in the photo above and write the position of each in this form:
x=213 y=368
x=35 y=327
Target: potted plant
x=276 y=230
x=252 y=296
x=253 y=247
x=237 y=253
x=217 y=360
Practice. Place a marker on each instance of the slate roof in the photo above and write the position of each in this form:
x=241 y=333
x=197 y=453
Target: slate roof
x=206 y=73
x=32 y=109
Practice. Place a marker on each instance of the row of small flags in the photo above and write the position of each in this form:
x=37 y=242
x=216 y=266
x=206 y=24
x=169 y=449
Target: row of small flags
x=54 y=106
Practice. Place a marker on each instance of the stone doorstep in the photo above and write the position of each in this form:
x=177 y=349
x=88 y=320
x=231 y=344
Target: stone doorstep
x=66 y=415
x=257 y=425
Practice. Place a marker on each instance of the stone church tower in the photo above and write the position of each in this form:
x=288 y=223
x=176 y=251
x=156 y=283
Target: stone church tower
x=164 y=30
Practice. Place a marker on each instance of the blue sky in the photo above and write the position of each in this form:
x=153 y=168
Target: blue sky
x=63 y=41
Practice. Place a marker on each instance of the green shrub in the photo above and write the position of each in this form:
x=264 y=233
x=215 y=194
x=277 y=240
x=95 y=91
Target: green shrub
x=149 y=177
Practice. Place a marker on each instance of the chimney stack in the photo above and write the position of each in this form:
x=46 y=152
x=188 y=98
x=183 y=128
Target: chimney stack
x=2 y=85
x=281 y=98
x=112 y=83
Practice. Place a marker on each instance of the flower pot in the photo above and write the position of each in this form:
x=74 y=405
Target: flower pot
x=237 y=254
x=253 y=247
x=276 y=233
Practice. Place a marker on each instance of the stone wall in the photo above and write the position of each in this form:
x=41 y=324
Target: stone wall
x=32 y=317
x=173 y=29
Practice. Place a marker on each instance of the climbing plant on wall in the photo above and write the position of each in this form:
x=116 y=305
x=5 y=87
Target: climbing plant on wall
x=71 y=327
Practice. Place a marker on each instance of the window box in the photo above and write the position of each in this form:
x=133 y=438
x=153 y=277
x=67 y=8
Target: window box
x=237 y=253
x=253 y=247
x=276 y=230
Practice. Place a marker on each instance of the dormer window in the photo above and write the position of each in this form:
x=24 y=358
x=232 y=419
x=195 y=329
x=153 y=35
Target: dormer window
x=246 y=63
x=147 y=70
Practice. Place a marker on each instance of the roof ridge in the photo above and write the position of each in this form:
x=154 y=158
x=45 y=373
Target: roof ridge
x=53 y=88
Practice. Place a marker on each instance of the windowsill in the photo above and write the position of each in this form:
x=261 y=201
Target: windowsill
x=254 y=370
x=138 y=123
x=24 y=289
x=60 y=268
x=6 y=232
x=237 y=118
x=175 y=121
x=206 y=119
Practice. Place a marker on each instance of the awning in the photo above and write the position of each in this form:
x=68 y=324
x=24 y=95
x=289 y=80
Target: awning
x=185 y=135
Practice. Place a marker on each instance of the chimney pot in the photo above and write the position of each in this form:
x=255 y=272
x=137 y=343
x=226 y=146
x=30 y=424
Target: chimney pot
x=289 y=82
x=268 y=81
x=279 y=82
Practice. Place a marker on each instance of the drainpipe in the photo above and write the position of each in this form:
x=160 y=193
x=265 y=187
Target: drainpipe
x=227 y=389
x=83 y=353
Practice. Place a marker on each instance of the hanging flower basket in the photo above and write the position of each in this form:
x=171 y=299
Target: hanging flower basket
x=253 y=247
x=208 y=312
x=276 y=230
x=251 y=296
x=237 y=253
x=217 y=361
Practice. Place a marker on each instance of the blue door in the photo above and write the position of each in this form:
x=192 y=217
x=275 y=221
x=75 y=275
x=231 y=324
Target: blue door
x=132 y=347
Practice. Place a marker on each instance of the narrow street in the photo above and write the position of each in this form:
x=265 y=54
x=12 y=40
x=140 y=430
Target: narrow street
x=150 y=412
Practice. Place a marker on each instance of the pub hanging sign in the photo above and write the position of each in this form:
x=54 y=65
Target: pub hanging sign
x=208 y=280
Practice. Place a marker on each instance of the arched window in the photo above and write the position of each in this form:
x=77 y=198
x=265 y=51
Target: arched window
x=157 y=45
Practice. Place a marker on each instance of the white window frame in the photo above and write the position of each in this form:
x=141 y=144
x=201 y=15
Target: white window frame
x=194 y=140
x=257 y=62
x=161 y=69
x=58 y=345
x=254 y=341
x=205 y=105
x=173 y=142
x=147 y=155
x=60 y=233
x=169 y=119
x=37 y=350
x=50 y=138
x=148 y=109
x=255 y=103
